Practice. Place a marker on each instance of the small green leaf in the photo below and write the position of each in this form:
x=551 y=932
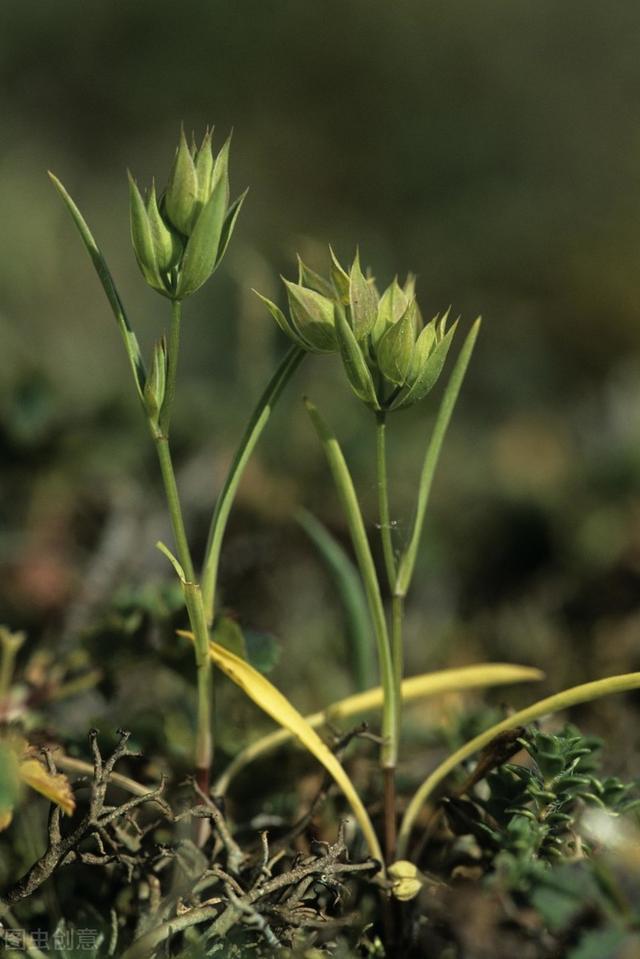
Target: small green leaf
x=313 y=280
x=154 y=388
x=204 y=169
x=585 y=693
x=355 y=365
x=312 y=315
x=422 y=350
x=229 y=224
x=201 y=251
x=363 y=300
x=395 y=349
x=142 y=237
x=282 y=321
x=220 y=171
x=340 y=279
x=428 y=376
x=167 y=245
x=181 y=198
x=392 y=306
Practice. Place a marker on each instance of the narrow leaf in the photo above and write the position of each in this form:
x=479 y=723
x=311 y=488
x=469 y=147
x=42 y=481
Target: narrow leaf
x=55 y=786
x=109 y=287
x=308 y=277
x=363 y=300
x=353 y=514
x=258 y=688
x=282 y=321
x=408 y=560
x=349 y=586
x=313 y=317
x=429 y=372
x=255 y=426
x=229 y=224
x=416 y=687
x=142 y=237
x=395 y=348
x=552 y=704
x=202 y=246
x=355 y=364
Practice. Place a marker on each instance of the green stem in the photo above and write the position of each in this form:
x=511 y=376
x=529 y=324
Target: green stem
x=347 y=494
x=251 y=435
x=397 y=649
x=172 y=366
x=204 y=731
x=173 y=502
x=383 y=500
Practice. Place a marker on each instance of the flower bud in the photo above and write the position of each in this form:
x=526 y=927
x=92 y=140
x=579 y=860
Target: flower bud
x=182 y=192
x=395 y=349
x=180 y=241
x=155 y=387
x=363 y=301
x=312 y=316
x=390 y=358
x=405 y=880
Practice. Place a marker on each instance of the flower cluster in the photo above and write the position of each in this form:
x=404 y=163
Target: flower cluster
x=392 y=359
x=180 y=238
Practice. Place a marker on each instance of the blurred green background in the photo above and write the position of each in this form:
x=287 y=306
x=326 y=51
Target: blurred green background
x=494 y=149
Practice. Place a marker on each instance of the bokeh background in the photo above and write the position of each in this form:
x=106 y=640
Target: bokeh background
x=494 y=149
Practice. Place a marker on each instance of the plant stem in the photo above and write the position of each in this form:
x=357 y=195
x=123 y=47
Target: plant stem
x=250 y=437
x=192 y=592
x=173 y=502
x=172 y=366
x=383 y=499
x=389 y=772
x=397 y=650
x=347 y=494
x=204 y=731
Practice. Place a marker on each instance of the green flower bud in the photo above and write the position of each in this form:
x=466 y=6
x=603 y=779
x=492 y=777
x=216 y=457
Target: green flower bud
x=142 y=238
x=355 y=365
x=312 y=317
x=339 y=279
x=181 y=198
x=314 y=281
x=428 y=361
x=405 y=880
x=393 y=303
x=363 y=301
x=154 y=388
x=203 y=162
x=390 y=359
x=168 y=246
x=180 y=242
x=395 y=349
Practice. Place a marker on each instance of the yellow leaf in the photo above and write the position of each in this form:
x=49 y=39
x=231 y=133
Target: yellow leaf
x=552 y=704
x=267 y=697
x=55 y=787
x=6 y=815
x=417 y=687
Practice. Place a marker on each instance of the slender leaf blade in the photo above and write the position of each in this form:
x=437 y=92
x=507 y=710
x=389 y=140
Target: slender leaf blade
x=109 y=287
x=574 y=696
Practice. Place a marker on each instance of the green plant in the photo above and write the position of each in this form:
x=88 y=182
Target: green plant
x=179 y=241
x=392 y=360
